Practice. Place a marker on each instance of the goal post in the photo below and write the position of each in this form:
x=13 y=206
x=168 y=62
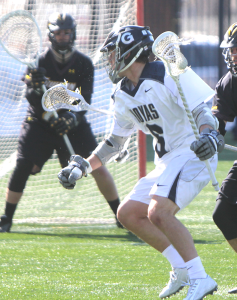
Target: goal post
x=141 y=135
x=44 y=200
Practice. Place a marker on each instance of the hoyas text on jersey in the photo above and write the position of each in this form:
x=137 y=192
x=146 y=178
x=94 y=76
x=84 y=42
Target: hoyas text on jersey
x=144 y=113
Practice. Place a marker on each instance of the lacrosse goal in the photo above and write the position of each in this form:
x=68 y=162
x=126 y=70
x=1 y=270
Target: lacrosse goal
x=44 y=200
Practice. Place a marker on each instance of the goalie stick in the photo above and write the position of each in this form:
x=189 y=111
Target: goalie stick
x=166 y=48
x=21 y=38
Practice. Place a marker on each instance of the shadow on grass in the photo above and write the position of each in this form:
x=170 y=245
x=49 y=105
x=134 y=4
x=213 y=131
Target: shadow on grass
x=206 y=242
x=125 y=235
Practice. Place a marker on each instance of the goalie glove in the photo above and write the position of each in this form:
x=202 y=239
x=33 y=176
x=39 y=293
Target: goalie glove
x=78 y=167
x=37 y=79
x=64 y=123
x=210 y=142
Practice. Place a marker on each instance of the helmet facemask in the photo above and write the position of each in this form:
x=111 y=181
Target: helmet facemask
x=111 y=56
x=231 y=65
x=61 y=47
x=117 y=64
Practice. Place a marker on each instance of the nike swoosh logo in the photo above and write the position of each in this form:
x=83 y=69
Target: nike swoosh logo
x=147 y=90
x=160 y=184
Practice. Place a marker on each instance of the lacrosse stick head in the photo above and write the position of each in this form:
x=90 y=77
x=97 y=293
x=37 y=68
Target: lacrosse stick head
x=59 y=97
x=20 y=36
x=166 y=48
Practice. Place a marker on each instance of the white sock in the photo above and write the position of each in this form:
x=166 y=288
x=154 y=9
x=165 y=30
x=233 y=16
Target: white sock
x=174 y=257
x=195 y=268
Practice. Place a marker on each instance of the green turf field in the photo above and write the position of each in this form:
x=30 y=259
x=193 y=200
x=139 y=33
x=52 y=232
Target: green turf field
x=104 y=262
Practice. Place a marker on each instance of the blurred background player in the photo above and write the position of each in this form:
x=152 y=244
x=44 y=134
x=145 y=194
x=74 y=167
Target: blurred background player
x=41 y=133
x=225 y=109
x=148 y=99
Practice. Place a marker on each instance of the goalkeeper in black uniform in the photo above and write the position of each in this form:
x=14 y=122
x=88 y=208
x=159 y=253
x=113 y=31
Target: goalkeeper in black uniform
x=225 y=109
x=41 y=133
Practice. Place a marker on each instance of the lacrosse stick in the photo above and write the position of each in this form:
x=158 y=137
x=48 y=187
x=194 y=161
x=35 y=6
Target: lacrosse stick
x=20 y=36
x=231 y=148
x=166 y=48
x=59 y=97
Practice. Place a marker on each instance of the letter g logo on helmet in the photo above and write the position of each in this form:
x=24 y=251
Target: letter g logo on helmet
x=127 y=38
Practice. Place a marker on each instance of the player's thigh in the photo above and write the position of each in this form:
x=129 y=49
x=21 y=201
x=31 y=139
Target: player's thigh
x=142 y=188
x=35 y=143
x=82 y=140
x=182 y=179
x=225 y=217
x=228 y=190
x=130 y=209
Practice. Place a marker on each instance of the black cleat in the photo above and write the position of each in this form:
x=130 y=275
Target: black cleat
x=119 y=225
x=5 y=224
x=233 y=291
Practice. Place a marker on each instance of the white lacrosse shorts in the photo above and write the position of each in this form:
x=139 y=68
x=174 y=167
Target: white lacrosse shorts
x=180 y=178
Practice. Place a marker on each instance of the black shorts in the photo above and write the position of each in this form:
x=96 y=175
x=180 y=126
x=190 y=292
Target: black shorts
x=228 y=190
x=37 y=142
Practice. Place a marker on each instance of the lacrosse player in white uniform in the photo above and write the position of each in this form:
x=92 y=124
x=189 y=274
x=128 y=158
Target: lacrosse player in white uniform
x=147 y=99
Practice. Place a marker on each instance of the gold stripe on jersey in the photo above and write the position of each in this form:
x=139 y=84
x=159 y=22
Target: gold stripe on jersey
x=70 y=85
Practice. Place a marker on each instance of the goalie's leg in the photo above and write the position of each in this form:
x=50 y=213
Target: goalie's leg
x=35 y=147
x=15 y=189
x=104 y=180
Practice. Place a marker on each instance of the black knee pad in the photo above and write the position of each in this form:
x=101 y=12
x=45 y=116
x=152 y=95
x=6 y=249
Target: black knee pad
x=20 y=175
x=225 y=217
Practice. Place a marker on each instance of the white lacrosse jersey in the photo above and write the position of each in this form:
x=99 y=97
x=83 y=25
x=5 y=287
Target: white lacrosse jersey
x=155 y=107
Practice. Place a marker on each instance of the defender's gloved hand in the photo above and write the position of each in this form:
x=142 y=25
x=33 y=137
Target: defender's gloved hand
x=64 y=123
x=78 y=167
x=210 y=142
x=37 y=78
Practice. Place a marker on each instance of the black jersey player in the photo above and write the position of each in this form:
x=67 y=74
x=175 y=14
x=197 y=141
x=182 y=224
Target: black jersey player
x=225 y=109
x=41 y=133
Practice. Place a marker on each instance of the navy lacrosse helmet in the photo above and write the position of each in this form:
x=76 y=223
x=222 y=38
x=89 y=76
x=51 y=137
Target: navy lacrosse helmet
x=60 y=21
x=129 y=43
x=230 y=41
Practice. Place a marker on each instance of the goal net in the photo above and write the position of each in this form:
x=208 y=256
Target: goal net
x=44 y=200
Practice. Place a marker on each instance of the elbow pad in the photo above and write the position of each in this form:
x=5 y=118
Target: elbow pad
x=203 y=116
x=110 y=148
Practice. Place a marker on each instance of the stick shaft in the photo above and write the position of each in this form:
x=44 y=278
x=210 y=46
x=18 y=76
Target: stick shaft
x=231 y=148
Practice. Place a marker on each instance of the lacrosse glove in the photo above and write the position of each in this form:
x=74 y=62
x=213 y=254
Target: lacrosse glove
x=210 y=142
x=64 y=123
x=78 y=167
x=37 y=78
